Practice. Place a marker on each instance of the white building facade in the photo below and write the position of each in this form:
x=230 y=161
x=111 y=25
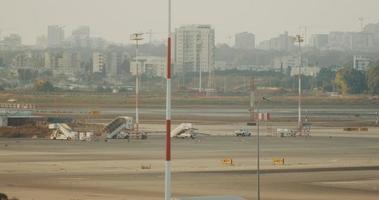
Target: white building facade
x=55 y=36
x=152 y=66
x=98 y=62
x=361 y=63
x=244 y=40
x=194 y=49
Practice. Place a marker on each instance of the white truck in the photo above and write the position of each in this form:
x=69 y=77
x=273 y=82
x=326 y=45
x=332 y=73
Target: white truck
x=243 y=132
x=286 y=132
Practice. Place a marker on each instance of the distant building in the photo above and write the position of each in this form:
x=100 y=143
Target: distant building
x=55 y=36
x=81 y=37
x=350 y=41
x=194 y=48
x=244 y=40
x=98 y=62
x=305 y=71
x=98 y=43
x=12 y=41
x=283 y=42
x=151 y=66
x=63 y=62
x=115 y=60
x=41 y=42
x=288 y=62
x=319 y=41
x=374 y=30
x=69 y=63
x=51 y=59
x=22 y=60
x=361 y=63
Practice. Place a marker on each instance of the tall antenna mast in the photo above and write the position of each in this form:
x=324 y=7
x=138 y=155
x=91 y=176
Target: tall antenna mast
x=168 y=111
x=137 y=37
x=300 y=39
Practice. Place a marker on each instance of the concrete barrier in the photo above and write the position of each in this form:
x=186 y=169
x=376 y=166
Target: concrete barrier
x=351 y=129
x=355 y=129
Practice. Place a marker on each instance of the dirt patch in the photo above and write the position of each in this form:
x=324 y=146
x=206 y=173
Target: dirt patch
x=24 y=132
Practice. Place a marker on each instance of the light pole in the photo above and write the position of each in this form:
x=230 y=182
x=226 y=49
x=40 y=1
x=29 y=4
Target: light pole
x=258 y=154
x=300 y=39
x=259 y=117
x=137 y=37
x=168 y=111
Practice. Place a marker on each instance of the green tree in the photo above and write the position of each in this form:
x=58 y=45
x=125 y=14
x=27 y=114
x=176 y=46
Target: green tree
x=43 y=86
x=373 y=79
x=325 y=79
x=351 y=81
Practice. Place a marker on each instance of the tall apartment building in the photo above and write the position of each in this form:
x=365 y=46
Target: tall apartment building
x=55 y=36
x=98 y=62
x=244 y=40
x=194 y=48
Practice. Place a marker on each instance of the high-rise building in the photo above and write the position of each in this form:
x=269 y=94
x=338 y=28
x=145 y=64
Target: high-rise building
x=81 y=37
x=98 y=62
x=194 y=48
x=55 y=36
x=244 y=40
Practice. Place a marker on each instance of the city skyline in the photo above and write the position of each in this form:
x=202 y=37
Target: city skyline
x=116 y=20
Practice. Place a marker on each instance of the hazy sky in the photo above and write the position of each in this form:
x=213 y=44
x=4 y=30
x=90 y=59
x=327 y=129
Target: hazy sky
x=116 y=19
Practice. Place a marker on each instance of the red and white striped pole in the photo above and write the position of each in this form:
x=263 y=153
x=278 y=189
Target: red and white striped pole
x=168 y=111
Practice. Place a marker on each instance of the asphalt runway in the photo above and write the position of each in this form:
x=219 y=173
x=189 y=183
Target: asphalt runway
x=316 y=168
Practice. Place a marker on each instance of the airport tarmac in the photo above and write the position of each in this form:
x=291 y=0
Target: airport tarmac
x=316 y=168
